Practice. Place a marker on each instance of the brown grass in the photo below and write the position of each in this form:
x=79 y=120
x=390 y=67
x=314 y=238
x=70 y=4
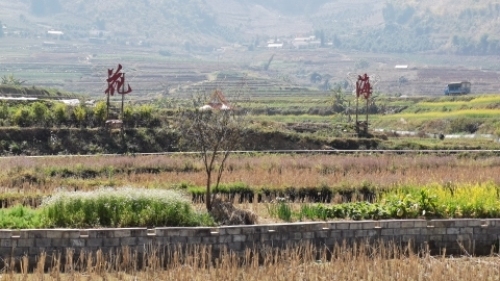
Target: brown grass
x=304 y=262
x=33 y=174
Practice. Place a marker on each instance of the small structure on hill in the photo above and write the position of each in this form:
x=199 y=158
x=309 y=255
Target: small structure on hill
x=217 y=102
x=458 y=88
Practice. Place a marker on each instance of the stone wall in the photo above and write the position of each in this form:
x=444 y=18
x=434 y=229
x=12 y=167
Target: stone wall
x=471 y=236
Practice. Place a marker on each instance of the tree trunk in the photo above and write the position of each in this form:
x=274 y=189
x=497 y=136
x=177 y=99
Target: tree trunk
x=208 y=193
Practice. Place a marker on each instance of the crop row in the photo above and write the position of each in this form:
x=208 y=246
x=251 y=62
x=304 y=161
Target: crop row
x=467 y=201
x=136 y=207
x=242 y=193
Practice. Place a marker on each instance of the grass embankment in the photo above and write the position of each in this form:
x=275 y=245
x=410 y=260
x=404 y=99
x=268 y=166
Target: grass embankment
x=294 y=123
x=124 y=207
x=21 y=91
x=412 y=113
x=447 y=115
x=427 y=117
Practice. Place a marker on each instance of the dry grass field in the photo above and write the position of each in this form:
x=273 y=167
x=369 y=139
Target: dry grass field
x=360 y=262
x=25 y=177
x=44 y=175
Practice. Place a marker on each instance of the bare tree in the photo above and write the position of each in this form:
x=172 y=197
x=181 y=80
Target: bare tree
x=214 y=128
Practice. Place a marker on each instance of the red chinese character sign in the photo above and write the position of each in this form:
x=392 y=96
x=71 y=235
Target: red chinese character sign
x=116 y=83
x=363 y=87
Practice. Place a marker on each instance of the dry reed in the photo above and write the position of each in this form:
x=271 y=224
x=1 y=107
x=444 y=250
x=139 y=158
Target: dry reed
x=303 y=262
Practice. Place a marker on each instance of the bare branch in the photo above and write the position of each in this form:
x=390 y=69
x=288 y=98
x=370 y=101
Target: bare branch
x=214 y=129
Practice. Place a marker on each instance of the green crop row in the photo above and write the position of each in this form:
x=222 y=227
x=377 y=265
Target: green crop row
x=324 y=194
x=448 y=201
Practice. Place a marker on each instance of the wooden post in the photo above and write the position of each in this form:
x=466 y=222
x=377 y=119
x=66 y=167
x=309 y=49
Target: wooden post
x=107 y=102
x=367 y=111
x=123 y=96
x=122 y=130
x=357 y=124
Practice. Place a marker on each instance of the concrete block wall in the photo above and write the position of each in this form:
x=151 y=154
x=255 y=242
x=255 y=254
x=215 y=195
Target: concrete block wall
x=474 y=236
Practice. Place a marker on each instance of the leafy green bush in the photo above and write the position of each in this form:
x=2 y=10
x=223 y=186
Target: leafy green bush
x=100 y=111
x=465 y=125
x=22 y=116
x=59 y=112
x=20 y=217
x=436 y=201
x=281 y=210
x=354 y=211
x=284 y=212
x=80 y=114
x=123 y=207
x=39 y=113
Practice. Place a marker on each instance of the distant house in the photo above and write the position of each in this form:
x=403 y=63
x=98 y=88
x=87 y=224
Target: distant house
x=55 y=34
x=315 y=43
x=306 y=42
x=275 y=45
x=97 y=36
x=304 y=39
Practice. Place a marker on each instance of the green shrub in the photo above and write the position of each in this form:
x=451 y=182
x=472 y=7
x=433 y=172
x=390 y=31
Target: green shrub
x=22 y=116
x=284 y=212
x=39 y=113
x=100 y=110
x=465 y=125
x=281 y=210
x=59 y=112
x=80 y=114
x=20 y=217
x=123 y=207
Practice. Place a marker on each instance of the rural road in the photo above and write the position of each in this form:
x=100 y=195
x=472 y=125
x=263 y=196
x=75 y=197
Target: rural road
x=331 y=151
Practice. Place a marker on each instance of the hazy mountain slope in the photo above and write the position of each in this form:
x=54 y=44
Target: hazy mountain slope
x=459 y=26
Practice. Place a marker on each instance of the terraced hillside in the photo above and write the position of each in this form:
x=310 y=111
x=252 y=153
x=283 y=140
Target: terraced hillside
x=175 y=47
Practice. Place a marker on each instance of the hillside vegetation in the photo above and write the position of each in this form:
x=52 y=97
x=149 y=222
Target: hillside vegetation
x=48 y=126
x=461 y=27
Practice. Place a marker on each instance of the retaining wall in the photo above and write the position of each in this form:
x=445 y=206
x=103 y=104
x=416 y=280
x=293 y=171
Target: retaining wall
x=476 y=236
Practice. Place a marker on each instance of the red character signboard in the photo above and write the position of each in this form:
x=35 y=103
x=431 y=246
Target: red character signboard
x=363 y=86
x=116 y=82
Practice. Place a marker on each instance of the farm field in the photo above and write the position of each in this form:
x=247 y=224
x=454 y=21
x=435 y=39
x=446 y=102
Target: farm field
x=45 y=175
x=275 y=188
x=81 y=67
x=271 y=185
